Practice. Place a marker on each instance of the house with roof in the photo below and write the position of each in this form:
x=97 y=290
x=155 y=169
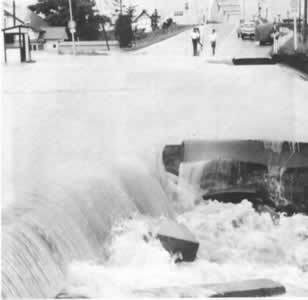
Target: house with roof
x=52 y=36
x=28 y=20
x=143 y=22
x=42 y=36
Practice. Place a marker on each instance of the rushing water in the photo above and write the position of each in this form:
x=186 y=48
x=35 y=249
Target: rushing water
x=69 y=217
x=84 y=234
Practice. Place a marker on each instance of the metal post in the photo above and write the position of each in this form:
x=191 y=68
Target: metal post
x=305 y=20
x=300 y=16
x=20 y=47
x=106 y=37
x=72 y=32
x=14 y=13
x=121 y=9
x=295 y=31
x=259 y=9
x=5 y=58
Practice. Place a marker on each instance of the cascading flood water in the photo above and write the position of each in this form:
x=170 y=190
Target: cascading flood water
x=86 y=236
x=68 y=217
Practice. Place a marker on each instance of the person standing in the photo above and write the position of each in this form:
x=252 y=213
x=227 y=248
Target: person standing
x=213 y=38
x=195 y=37
x=199 y=39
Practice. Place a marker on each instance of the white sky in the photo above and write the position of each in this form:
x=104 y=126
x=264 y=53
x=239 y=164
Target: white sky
x=169 y=6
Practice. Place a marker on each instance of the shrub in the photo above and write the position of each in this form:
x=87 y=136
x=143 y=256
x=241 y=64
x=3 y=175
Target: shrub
x=123 y=31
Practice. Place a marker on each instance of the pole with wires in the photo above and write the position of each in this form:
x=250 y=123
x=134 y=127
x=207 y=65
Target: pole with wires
x=305 y=20
x=72 y=26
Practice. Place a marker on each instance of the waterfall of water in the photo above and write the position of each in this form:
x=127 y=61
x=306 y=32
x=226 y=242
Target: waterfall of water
x=69 y=217
x=188 y=186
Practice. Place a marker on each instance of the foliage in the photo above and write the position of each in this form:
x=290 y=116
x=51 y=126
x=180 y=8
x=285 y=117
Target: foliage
x=167 y=24
x=131 y=12
x=57 y=13
x=123 y=30
x=154 y=20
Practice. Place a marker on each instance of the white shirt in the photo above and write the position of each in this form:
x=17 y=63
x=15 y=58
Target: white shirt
x=213 y=37
x=195 y=35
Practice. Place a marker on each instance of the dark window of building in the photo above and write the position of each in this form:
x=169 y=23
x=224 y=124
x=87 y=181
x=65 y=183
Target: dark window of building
x=9 y=38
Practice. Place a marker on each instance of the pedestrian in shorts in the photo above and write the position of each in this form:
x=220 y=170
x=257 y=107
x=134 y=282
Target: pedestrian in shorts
x=213 y=38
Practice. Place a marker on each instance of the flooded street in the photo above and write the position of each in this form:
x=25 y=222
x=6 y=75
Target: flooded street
x=83 y=142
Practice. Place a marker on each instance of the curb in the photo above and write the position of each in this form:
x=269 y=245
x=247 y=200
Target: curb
x=254 y=61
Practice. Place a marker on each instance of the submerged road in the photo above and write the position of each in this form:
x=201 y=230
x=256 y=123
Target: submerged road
x=90 y=108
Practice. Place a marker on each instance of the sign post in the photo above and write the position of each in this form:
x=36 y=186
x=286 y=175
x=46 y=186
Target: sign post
x=72 y=27
x=294 y=6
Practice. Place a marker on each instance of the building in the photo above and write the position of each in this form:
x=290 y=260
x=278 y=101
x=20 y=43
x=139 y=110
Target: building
x=143 y=22
x=181 y=11
x=42 y=36
x=52 y=36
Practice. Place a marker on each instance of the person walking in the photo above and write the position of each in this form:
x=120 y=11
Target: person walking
x=275 y=36
x=213 y=38
x=199 y=40
x=195 y=37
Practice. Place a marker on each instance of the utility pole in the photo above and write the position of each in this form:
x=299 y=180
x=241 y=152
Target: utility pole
x=244 y=9
x=14 y=13
x=300 y=16
x=305 y=20
x=72 y=26
x=259 y=9
x=121 y=7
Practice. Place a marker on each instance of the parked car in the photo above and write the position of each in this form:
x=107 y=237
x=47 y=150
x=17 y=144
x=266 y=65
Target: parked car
x=247 y=30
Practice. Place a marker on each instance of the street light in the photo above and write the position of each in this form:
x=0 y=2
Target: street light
x=72 y=26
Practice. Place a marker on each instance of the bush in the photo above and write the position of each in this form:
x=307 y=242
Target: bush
x=167 y=24
x=123 y=31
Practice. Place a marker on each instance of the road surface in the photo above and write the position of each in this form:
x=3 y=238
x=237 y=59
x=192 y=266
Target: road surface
x=228 y=44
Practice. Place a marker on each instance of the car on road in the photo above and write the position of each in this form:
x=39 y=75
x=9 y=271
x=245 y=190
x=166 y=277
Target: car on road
x=247 y=30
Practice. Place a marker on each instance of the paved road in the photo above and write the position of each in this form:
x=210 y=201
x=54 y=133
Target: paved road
x=228 y=45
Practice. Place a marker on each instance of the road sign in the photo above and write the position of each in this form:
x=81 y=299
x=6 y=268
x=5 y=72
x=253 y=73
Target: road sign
x=72 y=25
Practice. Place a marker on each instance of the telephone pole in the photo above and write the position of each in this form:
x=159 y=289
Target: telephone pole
x=121 y=7
x=72 y=27
x=14 y=13
x=305 y=20
x=244 y=9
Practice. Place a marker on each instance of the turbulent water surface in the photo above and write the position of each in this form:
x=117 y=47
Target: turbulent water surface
x=86 y=237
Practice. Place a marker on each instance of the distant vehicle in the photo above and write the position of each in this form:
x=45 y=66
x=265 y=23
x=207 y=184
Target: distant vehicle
x=264 y=33
x=239 y=28
x=247 y=30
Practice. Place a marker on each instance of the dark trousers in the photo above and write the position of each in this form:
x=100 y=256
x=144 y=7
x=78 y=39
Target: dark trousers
x=195 y=47
x=213 y=44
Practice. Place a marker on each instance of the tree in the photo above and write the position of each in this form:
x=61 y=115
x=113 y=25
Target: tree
x=154 y=20
x=87 y=19
x=123 y=30
x=131 y=12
